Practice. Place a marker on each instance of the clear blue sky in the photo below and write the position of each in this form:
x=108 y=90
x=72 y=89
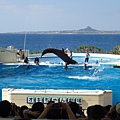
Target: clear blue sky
x=44 y=15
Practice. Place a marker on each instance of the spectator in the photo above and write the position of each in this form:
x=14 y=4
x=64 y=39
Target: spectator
x=52 y=109
x=117 y=109
x=112 y=113
x=76 y=110
x=6 y=108
x=107 y=109
x=22 y=108
x=35 y=111
x=96 y=112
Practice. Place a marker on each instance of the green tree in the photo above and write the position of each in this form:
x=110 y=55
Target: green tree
x=116 y=50
x=92 y=49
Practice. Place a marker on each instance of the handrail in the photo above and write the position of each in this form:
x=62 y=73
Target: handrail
x=58 y=88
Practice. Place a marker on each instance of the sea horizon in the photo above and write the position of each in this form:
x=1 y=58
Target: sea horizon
x=87 y=30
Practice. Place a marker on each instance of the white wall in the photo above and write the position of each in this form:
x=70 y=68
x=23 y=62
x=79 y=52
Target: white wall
x=8 y=56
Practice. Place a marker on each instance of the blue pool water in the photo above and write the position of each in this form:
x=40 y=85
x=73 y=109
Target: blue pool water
x=56 y=77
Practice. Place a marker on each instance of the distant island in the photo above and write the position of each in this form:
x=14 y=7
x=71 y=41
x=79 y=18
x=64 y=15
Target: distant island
x=87 y=30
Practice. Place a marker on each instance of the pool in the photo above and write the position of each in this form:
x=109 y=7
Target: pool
x=56 y=77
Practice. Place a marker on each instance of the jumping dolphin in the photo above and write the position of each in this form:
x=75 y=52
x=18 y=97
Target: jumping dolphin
x=61 y=54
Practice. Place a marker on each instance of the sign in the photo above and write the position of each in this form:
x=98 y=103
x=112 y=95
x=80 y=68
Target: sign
x=71 y=99
x=30 y=99
x=63 y=99
x=46 y=100
x=79 y=100
x=56 y=99
x=38 y=99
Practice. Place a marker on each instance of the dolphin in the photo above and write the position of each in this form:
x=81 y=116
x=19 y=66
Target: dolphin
x=60 y=54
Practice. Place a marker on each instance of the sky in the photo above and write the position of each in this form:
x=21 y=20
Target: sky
x=51 y=15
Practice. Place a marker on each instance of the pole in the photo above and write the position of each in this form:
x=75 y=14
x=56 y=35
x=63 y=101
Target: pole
x=24 y=43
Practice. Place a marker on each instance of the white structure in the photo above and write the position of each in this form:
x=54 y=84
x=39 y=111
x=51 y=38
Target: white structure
x=83 y=97
x=8 y=55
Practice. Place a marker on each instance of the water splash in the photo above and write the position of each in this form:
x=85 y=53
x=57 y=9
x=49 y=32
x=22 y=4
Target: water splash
x=96 y=71
x=92 y=78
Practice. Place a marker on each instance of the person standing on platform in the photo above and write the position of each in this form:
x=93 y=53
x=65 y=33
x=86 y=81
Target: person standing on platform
x=70 y=54
x=20 y=53
x=86 y=60
x=36 y=61
x=26 y=60
x=87 y=57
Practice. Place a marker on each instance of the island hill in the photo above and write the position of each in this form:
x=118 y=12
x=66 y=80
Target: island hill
x=87 y=30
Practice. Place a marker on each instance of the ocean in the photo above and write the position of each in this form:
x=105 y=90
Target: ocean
x=57 y=77
x=39 y=42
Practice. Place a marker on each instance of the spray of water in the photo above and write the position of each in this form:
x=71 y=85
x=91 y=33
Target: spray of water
x=96 y=71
